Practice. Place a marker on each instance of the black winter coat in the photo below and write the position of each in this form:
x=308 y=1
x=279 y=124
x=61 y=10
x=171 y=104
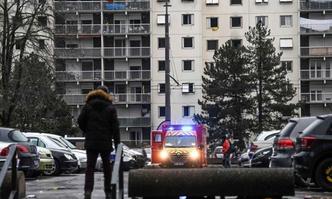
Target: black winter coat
x=99 y=123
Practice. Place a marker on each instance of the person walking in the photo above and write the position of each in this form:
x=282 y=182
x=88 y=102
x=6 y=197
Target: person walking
x=226 y=150
x=99 y=122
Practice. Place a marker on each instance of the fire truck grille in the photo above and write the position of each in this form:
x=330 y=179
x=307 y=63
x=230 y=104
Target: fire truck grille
x=179 y=158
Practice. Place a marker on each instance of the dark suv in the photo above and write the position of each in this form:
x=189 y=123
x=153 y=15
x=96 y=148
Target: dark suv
x=313 y=158
x=284 y=143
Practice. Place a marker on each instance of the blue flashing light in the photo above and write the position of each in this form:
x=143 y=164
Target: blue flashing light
x=187 y=128
x=170 y=128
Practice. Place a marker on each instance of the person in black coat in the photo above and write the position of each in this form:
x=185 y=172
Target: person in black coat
x=99 y=123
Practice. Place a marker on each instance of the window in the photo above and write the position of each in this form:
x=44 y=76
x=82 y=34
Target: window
x=286 y=43
x=212 y=2
x=262 y=19
x=212 y=44
x=161 y=88
x=286 y=1
x=236 y=43
x=235 y=2
x=161 y=42
x=236 y=22
x=187 y=19
x=261 y=1
x=316 y=95
x=286 y=21
x=288 y=65
x=188 y=111
x=188 y=42
x=187 y=87
x=161 y=65
x=19 y=44
x=162 y=111
x=41 y=44
x=42 y=20
x=212 y=22
x=161 y=19
x=187 y=65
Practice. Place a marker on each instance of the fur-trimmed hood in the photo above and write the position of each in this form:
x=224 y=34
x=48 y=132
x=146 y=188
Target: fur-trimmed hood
x=98 y=94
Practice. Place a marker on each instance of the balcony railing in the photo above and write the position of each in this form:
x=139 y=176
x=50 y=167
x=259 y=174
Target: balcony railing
x=77 y=52
x=88 y=6
x=127 y=51
x=316 y=51
x=134 y=75
x=127 y=28
x=316 y=97
x=78 y=75
x=315 y=5
x=126 y=75
x=135 y=122
x=75 y=6
x=125 y=98
x=323 y=74
x=77 y=29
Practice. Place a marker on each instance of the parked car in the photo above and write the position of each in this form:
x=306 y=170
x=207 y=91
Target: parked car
x=313 y=158
x=284 y=143
x=261 y=158
x=80 y=154
x=27 y=152
x=217 y=153
x=64 y=159
x=47 y=164
x=263 y=140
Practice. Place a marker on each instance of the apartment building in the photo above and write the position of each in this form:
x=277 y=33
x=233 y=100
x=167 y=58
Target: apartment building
x=315 y=56
x=197 y=28
x=106 y=43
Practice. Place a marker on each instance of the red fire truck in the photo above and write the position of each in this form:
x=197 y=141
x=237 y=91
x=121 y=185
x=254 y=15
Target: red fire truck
x=179 y=146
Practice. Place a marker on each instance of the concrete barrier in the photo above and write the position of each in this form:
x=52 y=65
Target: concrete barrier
x=251 y=182
x=6 y=186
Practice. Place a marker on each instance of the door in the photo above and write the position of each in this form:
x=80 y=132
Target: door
x=136 y=94
x=120 y=47
x=121 y=93
x=86 y=26
x=135 y=48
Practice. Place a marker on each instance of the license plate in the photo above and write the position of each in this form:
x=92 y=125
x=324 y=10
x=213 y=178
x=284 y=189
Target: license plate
x=178 y=163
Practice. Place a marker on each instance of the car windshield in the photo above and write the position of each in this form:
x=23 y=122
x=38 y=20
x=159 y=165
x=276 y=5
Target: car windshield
x=180 y=141
x=17 y=136
x=58 y=143
x=286 y=131
x=66 y=142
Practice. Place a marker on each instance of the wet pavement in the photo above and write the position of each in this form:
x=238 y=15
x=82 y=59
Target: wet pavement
x=70 y=186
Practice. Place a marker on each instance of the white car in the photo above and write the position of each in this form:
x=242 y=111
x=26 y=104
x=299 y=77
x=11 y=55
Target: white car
x=263 y=140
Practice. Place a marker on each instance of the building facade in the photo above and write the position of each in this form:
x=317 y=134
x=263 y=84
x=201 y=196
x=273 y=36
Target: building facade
x=106 y=43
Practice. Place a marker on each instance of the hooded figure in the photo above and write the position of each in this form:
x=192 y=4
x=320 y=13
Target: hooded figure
x=99 y=123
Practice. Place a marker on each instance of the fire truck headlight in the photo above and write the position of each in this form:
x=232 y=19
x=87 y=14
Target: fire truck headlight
x=164 y=155
x=194 y=155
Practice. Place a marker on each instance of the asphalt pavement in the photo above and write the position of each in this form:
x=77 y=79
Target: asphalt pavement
x=70 y=186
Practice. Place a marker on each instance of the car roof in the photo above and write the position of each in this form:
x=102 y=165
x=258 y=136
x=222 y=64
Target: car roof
x=5 y=129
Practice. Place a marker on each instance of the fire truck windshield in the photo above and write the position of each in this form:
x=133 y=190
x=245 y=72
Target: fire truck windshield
x=180 y=141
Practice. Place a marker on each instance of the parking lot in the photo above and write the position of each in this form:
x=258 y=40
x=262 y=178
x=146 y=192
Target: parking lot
x=70 y=186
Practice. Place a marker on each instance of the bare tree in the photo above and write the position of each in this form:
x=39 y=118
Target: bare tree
x=24 y=28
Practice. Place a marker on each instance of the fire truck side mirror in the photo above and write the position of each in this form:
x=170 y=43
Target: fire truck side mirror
x=157 y=137
x=201 y=146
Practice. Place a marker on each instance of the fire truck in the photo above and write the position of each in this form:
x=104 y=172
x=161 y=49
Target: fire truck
x=179 y=146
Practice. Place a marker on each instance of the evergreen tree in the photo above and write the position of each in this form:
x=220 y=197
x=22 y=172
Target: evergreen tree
x=39 y=108
x=273 y=90
x=226 y=100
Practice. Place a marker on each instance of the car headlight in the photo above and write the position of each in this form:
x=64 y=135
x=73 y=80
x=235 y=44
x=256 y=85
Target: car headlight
x=164 y=155
x=42 y=155
x=69 y=157
x=194 y=155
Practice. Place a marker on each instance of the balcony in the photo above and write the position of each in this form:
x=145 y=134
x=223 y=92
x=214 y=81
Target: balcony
x=77 y=6
x=316 y=98
x=315 y=5
x=123 y=98
x=316 y=51
x=69 y=29
x=95 y=6
x=323 y=74
x=129 y=75
x=127 y=29
x=77 y=52
x=312 y=26
x=127 y=6
x=122 y=52
x=135 y=122
x=77 y=76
